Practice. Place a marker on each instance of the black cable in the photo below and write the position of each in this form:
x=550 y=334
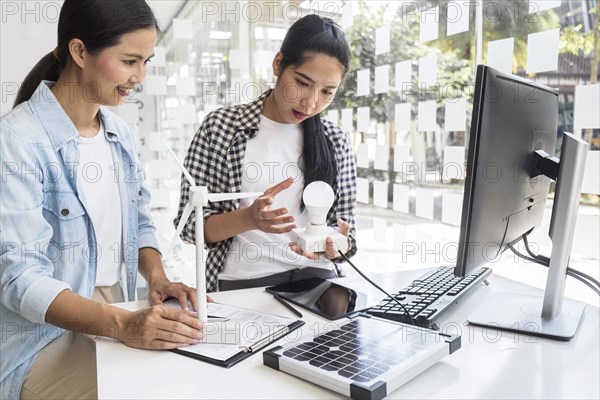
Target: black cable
x=547 y=263
x=536 y=256
x=377 y=286
x=569 y=273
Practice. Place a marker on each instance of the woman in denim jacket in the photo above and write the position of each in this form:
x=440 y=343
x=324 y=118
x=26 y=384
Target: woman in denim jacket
x=75 y=219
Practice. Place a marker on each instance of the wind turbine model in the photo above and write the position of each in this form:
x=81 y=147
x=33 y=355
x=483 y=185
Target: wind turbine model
x=198 y=198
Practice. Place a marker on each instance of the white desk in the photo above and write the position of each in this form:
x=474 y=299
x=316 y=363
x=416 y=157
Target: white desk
x=490 y=364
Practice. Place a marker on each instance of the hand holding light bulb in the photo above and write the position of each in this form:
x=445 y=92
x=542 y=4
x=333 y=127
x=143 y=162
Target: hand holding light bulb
x=319 y=239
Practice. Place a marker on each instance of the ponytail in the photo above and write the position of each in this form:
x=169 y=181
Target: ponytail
x=48 y=68
x=318 y=155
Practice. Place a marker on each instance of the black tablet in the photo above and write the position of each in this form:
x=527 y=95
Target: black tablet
x=325 y=298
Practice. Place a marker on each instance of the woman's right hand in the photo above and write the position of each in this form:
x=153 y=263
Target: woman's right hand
x=160 y=327
x=268 y=220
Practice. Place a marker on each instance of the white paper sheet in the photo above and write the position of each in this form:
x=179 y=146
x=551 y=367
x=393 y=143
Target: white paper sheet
x=382 y=40
x=428 y=70
x=456 y=115
x=536 y=6
x=155 y=85
x=362 y=190
x=382 y=79
x=380 y=194
x=429 y=24
x=542 y=51
x=186 y=86
x=347 y=116
x=402 y=113
x=382 y=157
x=454 y=163
x=362 y=155
x=183 y=29
x=363 y=115
x=427 y=116
x=363 y=82
x=587 y=104
x=400 y=198
x=401 y=157
x=333 y=116
x=403 y=75
x=500 y=54
x=253 y=326
x=591 y=175
x=457 y=17
x=452 y=208
x=159 y=59
x=424 y=203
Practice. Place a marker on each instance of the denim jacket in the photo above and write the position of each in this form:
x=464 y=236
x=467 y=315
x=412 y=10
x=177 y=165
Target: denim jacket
x=47 y=241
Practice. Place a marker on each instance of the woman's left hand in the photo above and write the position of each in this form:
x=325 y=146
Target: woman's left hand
x=166 y=290
x=331 y=252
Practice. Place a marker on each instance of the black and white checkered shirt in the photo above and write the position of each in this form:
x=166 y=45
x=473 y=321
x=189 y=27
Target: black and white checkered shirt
x=215 y=160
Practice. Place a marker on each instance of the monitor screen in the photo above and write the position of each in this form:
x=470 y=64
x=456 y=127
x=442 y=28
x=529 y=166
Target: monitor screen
x=504 y=195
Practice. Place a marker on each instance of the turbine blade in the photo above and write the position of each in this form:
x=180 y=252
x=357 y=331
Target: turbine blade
x=187 y=211
x=179 y=164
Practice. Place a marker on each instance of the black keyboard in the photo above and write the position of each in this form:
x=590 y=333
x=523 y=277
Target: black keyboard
x=429 y=297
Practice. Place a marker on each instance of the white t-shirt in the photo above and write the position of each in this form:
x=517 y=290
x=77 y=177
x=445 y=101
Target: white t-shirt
x=99 y=191
x=271 y=156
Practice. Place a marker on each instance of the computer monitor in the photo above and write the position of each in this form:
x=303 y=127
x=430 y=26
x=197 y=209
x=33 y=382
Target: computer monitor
x=510 y=165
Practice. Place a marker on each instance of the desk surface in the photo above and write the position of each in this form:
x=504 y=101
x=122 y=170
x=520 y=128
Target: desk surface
x=490 y=364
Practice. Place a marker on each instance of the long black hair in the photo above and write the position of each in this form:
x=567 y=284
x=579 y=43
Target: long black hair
x=99 y=24
x=308 y=36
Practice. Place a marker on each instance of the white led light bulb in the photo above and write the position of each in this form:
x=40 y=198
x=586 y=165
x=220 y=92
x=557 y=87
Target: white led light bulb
x=318 y=197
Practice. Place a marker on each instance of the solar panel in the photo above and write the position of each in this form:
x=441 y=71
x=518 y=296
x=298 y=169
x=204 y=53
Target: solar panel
x=363 y=358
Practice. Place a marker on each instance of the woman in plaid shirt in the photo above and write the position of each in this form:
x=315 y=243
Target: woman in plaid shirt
x=279 y=143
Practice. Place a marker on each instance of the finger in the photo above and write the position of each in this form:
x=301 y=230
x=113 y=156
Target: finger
x=277 y=221
x=295 y=248
x=209 y=299
x=279 y=230
x=183 y=299
x=331 y=249
x=344 y=227
x=155 y=298
x=178 y=335
x=180 y=316
x=263 y=203
x=279 y=187
x=298 y=250
x=193 y=296
x=165 y=345
x=270 y=214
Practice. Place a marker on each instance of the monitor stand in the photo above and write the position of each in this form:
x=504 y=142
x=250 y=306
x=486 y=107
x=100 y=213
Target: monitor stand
x=548 y=317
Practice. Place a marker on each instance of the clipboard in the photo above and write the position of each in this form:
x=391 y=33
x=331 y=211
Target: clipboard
x=258 y=330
